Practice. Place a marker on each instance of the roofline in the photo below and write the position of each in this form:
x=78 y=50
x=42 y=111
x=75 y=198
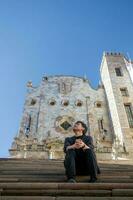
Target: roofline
x=82 y=78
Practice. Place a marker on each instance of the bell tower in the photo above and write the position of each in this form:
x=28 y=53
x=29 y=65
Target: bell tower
x=119 y=91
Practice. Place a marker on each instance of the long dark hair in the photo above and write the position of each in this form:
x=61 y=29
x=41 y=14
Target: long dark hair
x=83 y=125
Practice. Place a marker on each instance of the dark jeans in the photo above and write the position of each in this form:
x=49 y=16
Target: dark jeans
x=80 y=162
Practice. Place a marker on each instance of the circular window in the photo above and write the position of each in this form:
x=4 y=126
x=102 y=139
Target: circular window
x=98 y=104
x=52 y=102
x=33 y=102
x=79 y=103
x=65 y=103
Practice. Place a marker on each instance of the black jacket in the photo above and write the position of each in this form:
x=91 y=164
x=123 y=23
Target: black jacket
x=87 y=139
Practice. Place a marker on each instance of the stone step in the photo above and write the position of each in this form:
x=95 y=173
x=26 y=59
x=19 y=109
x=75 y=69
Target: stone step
x=63 y=179
x=58 y=169
x=122 y=192
x=58 y=165
x=2 y=166
x=37 y=174
x=61 y=171
x=106 y=176
x=99 y=193
x=14 y=168
x=68 y=192
x=77 y=186
x=54 y=168
x=28 y=167
x=56 y=175
x=37 y=171
x=35 y=179
x=31 y=198
x=45 y=179
x=62 y=198
x=50 y=162
x=27 y=162
x=74 y=190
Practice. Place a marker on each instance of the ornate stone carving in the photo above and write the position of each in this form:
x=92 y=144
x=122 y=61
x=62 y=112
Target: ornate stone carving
x=65 y=86
x=64 y=123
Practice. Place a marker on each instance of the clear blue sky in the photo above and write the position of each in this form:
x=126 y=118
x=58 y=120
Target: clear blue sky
x=55 y=37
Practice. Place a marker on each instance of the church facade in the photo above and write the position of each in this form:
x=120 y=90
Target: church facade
x=51 y=109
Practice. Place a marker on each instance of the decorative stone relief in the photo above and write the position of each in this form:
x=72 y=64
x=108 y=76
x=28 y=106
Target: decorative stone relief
x=65 y=86
x=64 y=123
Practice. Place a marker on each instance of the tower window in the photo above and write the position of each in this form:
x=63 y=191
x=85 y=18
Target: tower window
x=100 y=124
x=129 y=113
x=98 y=105
x=118 y=71
x=33 y=102
x=124 y=92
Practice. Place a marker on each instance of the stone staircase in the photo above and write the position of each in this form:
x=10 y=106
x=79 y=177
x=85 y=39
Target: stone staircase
x=28 y=179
